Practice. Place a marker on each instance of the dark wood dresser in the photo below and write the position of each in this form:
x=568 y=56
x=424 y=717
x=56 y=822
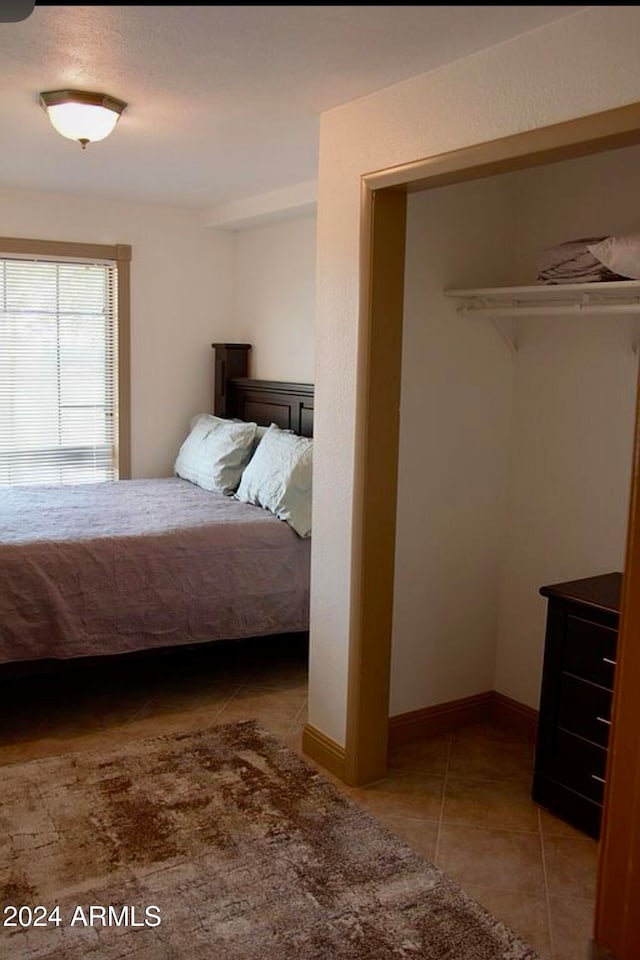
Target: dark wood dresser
x=575 y=700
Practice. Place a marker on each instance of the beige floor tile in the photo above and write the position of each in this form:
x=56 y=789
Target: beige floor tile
x=183 y=700
x=275 y=709
x=287 y=676
x=26 y=750
x=420 y=835
x=551 y=826
x=177 y=711
x=502 y=804
x=426 y=756
x=416 y=796
x=63 y=725
x=478 y=758
x=571 y=866
x=492 y=858
x=55 y=746
x=490 y=731
x=526 y=916
x=164 y=723
x=571 y=927
x=293 y=738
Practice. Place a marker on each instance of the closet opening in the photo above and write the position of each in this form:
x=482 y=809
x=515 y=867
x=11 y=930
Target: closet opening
x=517 y=414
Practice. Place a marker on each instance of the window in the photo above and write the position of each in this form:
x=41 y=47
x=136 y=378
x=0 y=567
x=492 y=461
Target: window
x=63 y=362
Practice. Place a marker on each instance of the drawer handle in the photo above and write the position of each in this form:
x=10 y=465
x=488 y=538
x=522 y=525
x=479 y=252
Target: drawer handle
x=594 y=776
x=602 y=720
x=606 y=660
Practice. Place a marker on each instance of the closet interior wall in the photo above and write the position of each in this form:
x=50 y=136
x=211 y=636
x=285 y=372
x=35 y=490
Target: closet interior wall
x=514 y=466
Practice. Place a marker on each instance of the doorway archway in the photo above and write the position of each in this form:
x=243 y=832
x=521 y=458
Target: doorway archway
x=383 y=210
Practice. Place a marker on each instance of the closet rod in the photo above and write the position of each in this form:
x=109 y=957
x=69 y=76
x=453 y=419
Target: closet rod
x=523 y=309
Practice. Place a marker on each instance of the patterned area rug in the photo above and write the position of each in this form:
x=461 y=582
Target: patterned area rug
x=220 y=845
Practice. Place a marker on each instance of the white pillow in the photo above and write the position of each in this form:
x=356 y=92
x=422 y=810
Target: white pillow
x=260 y=432
x=278 y=478
x=215 y=453
x=198 y=416
x=619 y=254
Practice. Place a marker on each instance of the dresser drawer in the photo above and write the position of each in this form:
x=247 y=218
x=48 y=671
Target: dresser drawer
x=590 y=651
x=585 y=709
x=579 y=765
x=576 y=698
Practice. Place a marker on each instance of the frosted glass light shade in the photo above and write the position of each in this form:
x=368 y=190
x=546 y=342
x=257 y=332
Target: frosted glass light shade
x=81 y=121
x=80 y=115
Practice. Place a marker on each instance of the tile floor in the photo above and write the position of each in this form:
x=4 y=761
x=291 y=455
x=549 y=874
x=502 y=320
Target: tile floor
x=461 y=800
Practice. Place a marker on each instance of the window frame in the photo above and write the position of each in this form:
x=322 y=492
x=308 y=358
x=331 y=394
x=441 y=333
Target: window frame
x=120 y=254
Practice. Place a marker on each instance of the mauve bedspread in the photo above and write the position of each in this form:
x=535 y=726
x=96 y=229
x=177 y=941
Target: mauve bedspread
x=111 y=567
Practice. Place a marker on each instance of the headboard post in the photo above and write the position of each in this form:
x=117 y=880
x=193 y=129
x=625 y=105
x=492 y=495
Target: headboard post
x=231 y=360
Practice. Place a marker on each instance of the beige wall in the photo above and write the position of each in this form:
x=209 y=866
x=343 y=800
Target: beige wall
x=586 y=197
x=190 y=286
x=574 y=403
x=274 y=297
x=569 y=481
x=454 y=444
x=181 y=301
x=578 y=66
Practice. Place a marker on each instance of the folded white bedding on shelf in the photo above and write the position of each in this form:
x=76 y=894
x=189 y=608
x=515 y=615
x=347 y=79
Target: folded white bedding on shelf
x=591 y=260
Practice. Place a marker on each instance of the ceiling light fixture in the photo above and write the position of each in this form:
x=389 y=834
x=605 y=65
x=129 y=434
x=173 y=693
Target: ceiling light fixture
x=81 y=115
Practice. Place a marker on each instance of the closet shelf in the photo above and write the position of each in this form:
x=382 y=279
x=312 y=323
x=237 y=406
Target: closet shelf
x=618 y=298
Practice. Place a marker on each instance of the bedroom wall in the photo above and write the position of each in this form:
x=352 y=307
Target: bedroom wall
x=274 y=297
x=581 y=65
x=574 y=405
x=181 y=301
x=454 y=425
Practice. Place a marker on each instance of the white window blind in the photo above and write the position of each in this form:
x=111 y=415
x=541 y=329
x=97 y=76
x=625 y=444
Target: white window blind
x=58 y=371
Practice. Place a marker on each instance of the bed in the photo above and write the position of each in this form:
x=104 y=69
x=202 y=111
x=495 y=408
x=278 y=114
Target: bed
x=110 y=568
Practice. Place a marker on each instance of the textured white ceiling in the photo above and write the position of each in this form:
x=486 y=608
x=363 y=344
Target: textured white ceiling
x=223 y=100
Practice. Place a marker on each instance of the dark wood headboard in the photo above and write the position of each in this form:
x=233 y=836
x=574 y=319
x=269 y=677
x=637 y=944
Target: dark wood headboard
x=288 y=405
